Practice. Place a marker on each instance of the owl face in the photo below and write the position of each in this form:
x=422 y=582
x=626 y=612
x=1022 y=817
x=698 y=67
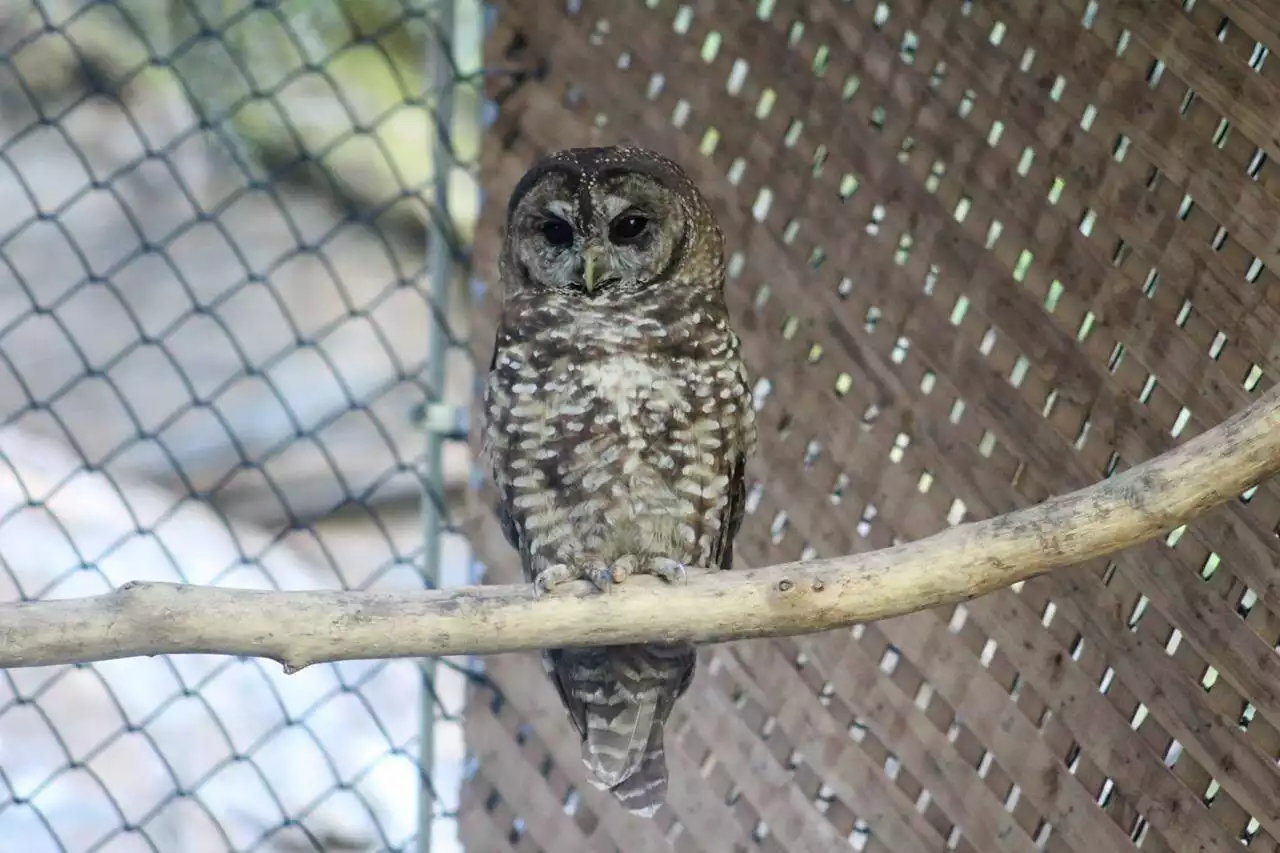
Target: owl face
x=595 y=224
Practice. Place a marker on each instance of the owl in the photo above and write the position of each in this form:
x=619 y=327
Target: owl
x=618 y=421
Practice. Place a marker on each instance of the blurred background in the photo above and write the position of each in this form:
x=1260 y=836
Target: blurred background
x=979 y=253
x=233 y=283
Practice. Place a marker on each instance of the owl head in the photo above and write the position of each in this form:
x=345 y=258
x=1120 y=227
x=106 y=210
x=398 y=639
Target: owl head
x=598 y=223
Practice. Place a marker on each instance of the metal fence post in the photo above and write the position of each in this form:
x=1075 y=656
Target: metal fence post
x=441 y=271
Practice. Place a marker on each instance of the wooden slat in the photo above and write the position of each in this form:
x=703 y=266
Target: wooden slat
x=1006 y=354
x=833 y=754
x=519 y=783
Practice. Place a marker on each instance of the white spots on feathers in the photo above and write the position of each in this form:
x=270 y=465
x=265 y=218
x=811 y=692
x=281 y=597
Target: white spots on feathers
x=615 y=428
x=625 y=381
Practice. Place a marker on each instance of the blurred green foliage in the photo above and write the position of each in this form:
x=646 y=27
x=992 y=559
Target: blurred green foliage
x=338 y=84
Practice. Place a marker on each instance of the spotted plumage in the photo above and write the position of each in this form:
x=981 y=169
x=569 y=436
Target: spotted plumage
x=618 y=422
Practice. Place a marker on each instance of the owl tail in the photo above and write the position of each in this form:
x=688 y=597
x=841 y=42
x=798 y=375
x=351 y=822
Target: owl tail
x=618 y=732
x=626 y=694
x=644 y=791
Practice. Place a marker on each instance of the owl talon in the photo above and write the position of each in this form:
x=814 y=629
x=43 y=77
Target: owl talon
x=600 y=575
x=671 y=571
x=552 y=576
x=624 y=567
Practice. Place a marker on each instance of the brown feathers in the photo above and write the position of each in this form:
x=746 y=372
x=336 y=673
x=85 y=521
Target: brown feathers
x=618 y=418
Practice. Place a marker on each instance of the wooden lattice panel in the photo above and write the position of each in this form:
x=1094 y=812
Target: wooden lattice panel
x=980 y=253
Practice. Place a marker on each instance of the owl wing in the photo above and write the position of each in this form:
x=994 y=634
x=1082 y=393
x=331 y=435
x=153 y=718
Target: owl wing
x=503 y=506
x=510 y=528
x=735 y=510
x=557 y=671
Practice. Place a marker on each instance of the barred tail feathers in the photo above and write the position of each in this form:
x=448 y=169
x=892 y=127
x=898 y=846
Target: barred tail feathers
x=645 y=790
x=617 y=735
x=620 y=698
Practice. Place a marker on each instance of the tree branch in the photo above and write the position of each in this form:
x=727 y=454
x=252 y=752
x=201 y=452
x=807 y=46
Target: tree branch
x=301 y=628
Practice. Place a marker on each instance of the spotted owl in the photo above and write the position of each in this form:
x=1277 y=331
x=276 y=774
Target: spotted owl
x=618 y=421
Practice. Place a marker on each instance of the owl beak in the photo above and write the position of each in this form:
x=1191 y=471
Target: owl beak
x=593 y=272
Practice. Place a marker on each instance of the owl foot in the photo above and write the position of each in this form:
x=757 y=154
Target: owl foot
x=552 y=575
x=671 y=571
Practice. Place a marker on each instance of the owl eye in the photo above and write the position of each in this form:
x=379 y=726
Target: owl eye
x=627 y=227
x=558 y=232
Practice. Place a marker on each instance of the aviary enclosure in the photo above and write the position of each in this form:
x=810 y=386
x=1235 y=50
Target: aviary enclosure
x=981 y=254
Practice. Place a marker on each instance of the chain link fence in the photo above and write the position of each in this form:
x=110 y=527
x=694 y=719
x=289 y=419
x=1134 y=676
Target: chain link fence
x=233 y=266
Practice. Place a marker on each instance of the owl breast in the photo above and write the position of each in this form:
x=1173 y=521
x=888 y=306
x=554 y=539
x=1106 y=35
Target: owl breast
x=615 y=448
x=634 y=464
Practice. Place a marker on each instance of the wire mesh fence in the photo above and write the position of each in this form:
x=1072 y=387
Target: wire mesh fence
x=233 y=254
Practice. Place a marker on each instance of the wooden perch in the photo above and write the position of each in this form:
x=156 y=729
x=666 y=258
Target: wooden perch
x=301 y=628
